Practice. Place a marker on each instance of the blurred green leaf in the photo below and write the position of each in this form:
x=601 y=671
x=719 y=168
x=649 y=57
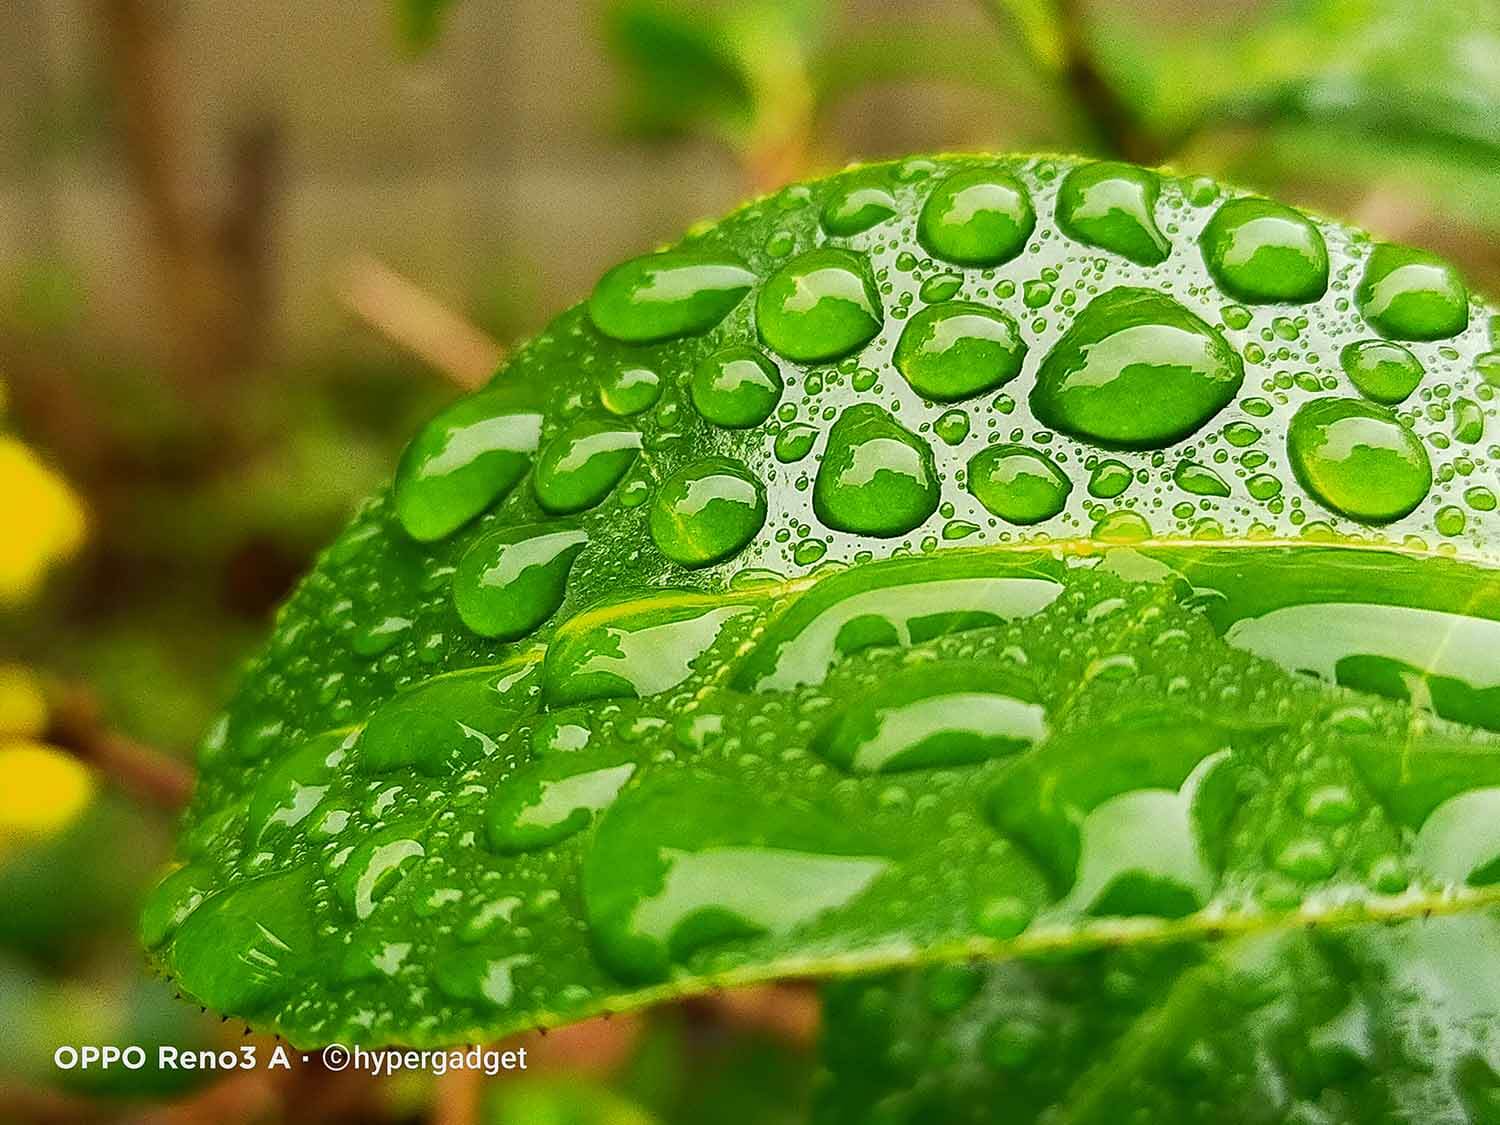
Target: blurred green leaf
x=420 y=22
x=1370 y=1024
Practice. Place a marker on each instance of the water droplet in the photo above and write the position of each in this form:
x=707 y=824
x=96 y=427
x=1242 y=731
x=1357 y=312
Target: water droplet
x=1358 y=459
x=172 y=900
x=690 y=862
x=707 y=511
x=1468 y=421
x=945 y=713
x=1450 y=520
x=820 y=305
x=876 y=477
x=899 y=602
x=580 y=466
x=1382 y=371
x=1199 y=479
x=1109 y=479
x=510 y=581
x=952 y=351
x=1018 y=484
x=940 y=287
x=1125 y=819
x=1137 y=370
x=1412 y=295
x=661 y=296
x=468 y=457
x=294 y=787
x=736 y=387
x=1121 y=527
x=552 y=800
x=375 y=867
x=952 y=426
x=794 y=442
x=473 y=976
x=244 y=948
x=1003 y=917
x=629 y=389
x=1113 y=206
x=855 y=206
x=443 y=723
x=1264 y=252
x=635 y=648
x=1241 y=434
x=981 y=217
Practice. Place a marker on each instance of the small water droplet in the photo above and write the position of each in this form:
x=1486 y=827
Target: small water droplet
x=510 y=581
x=981 y=217
x=956 y=350
x=578 y=468
x=662 y=296
x=707 y=511
x=820 y=305
x=1408 y=294
x=736 y=387
x=1113 y=206
x=1263 y=252
x=1358 y=459
x=1018 y=484
x=876 y=477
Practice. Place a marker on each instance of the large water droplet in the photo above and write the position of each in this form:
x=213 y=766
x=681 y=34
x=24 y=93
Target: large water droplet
x=375 y=866
x=707 y=511
x=1199 y=479
x=552 y=800
x=1409 y=294
x=944 y=713
x=951 y=351
x=736 y=387
x=1126 y=820
x=629 y=389
x=977 y=218
x=636 y=648
x=172 y=900
x=876 y=476
x=448 y=721
x=1381 y=370
x=244 y=948
x=1358 y=459
x=469 y=455
x=294 y=786
x=580 y=466
x=1264 y=252
x=510 y=581
x=899 y=602
x=660 y=296
x=1113 y=206
x=820 y=305
x=1018 y=484
x=857 y=205
x=1137 y=370
x=691 y=862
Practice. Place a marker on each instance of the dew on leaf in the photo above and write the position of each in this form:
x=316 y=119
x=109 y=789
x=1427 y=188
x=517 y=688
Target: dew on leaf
x=1113 y=206
x=1136 y=370
x=736 y=387
x=940 y=714
x=820 y=305
x=1263 y=252
x=552 y=800
x=707 y=511
x=1381 y=371
x=578 y=468
x=509 y=581
x=1358 y=459
x=464 y=460
x=977 y=218
x=876 y=476
x=1408 y=294
x=956 y=350
x=629 y=389
x=662 y=296
x=1018 y=484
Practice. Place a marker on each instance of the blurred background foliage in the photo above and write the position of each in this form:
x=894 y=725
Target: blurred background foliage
x=245 y=248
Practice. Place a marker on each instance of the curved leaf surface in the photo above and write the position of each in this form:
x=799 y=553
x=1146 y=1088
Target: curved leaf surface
x=962 y=557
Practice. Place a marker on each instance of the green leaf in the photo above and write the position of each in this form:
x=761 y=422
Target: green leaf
x=1151 y=630
x=1357 y=1026
x=420 y=22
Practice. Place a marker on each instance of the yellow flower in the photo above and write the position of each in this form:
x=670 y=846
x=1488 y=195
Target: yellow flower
x=42 y=790
x=43 y=520
x=23 y=707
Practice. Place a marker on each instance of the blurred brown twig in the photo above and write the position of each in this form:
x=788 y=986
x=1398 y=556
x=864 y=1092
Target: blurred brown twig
x=77 y=726
x=406 y=314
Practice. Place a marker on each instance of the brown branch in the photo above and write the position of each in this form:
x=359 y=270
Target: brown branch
x=1116 y=122
x=77 y=726
x=411 y=317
